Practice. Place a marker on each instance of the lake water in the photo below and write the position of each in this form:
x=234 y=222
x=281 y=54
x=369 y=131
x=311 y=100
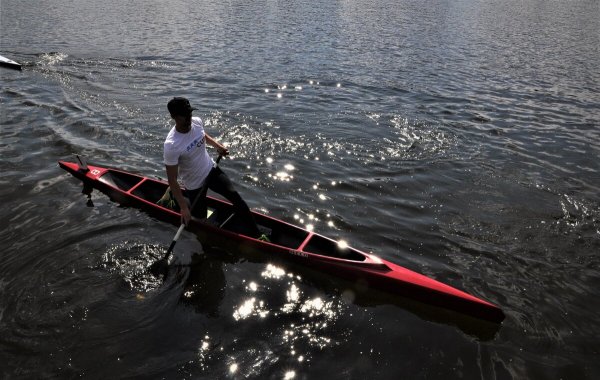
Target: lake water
x=460 y=139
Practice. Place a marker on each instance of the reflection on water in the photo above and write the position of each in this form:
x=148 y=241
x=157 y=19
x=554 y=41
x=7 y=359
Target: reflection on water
x=251 y=307
x=290 y=322
x=313 y=314
x=459 y=139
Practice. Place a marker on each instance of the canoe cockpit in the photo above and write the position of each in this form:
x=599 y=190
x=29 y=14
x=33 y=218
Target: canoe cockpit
x=220 y=214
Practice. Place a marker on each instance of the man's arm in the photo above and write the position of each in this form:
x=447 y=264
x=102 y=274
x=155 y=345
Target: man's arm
x=212 y=142
x=172 y=171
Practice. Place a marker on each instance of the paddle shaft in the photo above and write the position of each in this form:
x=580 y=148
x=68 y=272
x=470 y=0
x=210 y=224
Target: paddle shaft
x=182 y=227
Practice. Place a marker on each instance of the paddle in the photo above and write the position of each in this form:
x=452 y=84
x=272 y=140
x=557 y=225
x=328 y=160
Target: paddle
x=162 y=265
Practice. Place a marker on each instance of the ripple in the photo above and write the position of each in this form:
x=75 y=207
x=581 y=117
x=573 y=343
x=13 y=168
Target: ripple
x=462 y=141
x=131 y=261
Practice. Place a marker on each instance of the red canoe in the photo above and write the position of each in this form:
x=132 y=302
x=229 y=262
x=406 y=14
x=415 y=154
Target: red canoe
x=288 y=242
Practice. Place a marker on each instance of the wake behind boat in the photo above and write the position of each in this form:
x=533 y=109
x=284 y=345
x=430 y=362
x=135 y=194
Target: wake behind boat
x=287 y=242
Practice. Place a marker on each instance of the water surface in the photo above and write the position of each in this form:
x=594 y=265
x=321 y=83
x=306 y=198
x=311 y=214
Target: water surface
x=459 y=139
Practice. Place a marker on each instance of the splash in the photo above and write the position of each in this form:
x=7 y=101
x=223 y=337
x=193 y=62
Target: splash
x=52 y=59
x=578 y=216
x=416 y=140
x=131 y=261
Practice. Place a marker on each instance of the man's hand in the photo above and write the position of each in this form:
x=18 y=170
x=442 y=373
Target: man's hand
x=223 y=151
x=186 y=215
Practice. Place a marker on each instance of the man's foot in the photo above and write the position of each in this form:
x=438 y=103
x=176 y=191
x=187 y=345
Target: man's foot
x=264 y=237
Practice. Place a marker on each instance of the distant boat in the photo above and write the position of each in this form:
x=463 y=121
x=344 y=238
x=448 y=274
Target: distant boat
x=9 y=63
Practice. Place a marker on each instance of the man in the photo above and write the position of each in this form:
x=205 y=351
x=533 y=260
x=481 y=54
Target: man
x=185 y=155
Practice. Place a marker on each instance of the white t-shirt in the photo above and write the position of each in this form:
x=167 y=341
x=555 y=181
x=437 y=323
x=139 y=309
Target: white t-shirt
x=188 y=150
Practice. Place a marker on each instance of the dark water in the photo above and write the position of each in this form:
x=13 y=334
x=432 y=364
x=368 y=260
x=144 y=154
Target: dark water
x=459 y=139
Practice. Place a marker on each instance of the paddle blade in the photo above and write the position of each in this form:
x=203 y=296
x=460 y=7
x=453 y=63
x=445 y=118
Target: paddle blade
x=162 y=265
x=159 y=267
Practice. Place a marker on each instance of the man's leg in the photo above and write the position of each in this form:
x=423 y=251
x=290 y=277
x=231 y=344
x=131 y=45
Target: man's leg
x=220 y=184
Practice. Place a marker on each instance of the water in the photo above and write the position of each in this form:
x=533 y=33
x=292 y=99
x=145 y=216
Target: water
x=459 y=139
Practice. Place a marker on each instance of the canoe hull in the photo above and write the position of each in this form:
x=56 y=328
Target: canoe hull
x=289 y=243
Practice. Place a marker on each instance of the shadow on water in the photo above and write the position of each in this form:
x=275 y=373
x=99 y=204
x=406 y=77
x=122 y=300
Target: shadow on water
x=200 y=284
x=205 y=286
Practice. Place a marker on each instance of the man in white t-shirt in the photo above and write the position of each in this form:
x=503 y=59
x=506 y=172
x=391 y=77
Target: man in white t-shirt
x=185 y=156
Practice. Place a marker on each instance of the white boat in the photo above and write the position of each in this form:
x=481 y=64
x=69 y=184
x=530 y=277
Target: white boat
x=9 y=63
